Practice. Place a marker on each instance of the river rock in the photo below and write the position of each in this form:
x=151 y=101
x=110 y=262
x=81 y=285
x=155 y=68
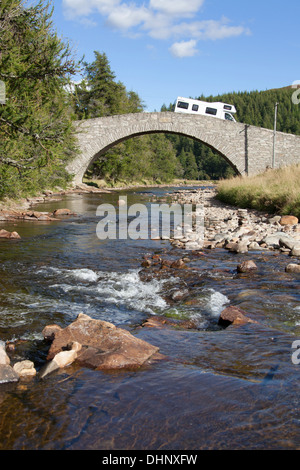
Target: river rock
x=287 y=242
x=6 y=234
x=276 y=238
x=233 y=316
x=25 y=368
x=246 y=266
x=239 y=247
x=4 y=359
x=7 y=374
x=179 y=295
x=293 y=268
x=178 y=264
x=104 y=346
x=62 y=212
x=274 y=220
x=156 y=321
x=146 y=263
x=288 y=220
x=295 y=250
x=49 y=332
x=254 y=246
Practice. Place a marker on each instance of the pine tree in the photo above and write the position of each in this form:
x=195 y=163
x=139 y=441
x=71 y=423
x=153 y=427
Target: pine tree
x=100 y=94
x=35 y=120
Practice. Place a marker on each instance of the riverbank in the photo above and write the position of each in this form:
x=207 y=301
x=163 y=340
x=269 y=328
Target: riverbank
x=102 y=184
x=275 y=191
x=87 y=188
x=225 y=225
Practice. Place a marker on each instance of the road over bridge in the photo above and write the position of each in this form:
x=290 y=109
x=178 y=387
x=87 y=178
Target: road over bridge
x=248 y=149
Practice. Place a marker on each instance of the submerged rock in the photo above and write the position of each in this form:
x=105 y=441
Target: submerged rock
x=293 y=268
x=234 y=316
x=246 y=267
x=156 y=321
x=178 y=264
x=59 y=212
x=104 y=346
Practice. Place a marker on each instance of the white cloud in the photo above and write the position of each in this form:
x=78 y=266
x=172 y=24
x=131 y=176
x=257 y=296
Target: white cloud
x=159 y=19
x=177 y=7
x=184 y=48
x=127 y=16
x=219 y=29
x=79 y=8
x=203 y=30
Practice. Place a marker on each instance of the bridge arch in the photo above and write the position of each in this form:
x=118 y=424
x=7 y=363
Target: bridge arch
x=248 y=149
x=103 y=150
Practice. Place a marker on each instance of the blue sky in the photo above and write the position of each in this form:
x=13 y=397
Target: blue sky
x=162 y=49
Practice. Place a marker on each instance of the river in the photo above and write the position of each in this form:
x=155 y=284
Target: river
x=233 y=388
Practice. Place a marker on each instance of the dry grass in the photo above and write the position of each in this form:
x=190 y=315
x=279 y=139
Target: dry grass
x=275 y=191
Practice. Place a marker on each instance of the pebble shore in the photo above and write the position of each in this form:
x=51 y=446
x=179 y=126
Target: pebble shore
x=237 y=230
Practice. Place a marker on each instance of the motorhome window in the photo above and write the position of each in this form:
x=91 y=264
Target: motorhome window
x=212 y=111
x=226 y=106
x=195 y=107
x=182 y=104
x=228 y=117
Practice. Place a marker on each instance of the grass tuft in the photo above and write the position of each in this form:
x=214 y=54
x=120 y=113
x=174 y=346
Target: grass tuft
x=274 y=191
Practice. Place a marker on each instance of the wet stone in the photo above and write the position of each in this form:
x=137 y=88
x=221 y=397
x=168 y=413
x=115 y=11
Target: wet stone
x=7 y=374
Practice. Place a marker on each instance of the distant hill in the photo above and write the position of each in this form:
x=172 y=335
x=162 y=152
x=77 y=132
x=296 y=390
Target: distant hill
x=288 y=87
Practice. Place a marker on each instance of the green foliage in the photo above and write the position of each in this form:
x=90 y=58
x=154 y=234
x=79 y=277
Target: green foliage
x=138 y=159
x=100 y=95
x=35 y=122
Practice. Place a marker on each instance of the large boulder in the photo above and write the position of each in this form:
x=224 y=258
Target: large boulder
x=104 y=346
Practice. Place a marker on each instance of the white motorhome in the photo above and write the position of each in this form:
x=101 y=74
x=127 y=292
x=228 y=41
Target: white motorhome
x=218 y=109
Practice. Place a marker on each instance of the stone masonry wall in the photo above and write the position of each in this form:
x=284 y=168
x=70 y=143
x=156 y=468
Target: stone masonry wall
x=248 y=149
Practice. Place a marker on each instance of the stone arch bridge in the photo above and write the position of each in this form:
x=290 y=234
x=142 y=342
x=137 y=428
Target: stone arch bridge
x=248 y=149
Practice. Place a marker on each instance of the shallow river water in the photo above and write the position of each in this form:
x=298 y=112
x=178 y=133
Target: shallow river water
x=234 y=388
